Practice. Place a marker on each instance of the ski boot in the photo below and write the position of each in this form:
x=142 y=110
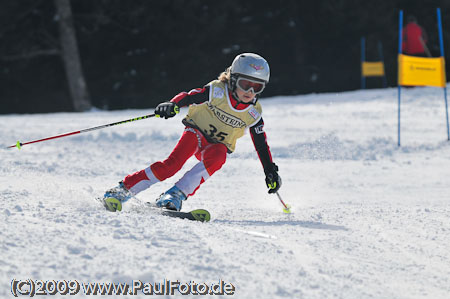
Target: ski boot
x=172 y=199
x=115 y=197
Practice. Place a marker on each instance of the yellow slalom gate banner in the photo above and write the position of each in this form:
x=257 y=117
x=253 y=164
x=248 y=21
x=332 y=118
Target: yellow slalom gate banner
x=372 y=69
x=421 y=71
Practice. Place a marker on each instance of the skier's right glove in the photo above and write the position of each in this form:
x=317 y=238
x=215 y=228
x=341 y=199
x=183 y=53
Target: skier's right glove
x=167 y=110
x=273 y=180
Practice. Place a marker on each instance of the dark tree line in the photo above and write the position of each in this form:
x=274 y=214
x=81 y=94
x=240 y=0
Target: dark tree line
x=135 y=54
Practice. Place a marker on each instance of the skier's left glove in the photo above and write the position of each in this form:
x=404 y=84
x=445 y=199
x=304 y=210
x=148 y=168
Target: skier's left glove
x=273 y=180
x=166 y=110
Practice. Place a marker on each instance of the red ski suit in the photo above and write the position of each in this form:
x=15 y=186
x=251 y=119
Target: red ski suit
x=211 y=155
x=414 y=39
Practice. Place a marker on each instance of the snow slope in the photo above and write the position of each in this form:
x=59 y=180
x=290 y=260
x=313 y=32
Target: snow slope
x=370 y=220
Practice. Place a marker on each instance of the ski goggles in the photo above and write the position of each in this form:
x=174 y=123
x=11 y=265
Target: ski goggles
x=246 y=85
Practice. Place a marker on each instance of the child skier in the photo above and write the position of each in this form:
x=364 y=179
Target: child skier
x=218 y=115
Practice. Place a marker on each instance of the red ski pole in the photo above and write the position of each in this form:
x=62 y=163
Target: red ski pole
x=20 y=144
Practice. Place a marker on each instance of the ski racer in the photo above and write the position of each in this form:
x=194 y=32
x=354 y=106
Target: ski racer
x=219 y=113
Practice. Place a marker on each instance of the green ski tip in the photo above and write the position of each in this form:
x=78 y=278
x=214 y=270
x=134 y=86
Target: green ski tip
x=113 y=204
x=201 y=215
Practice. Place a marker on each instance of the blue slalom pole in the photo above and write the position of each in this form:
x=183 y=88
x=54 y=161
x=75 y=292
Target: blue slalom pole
x=441 y=45
x=400 y=38
x=363 y=58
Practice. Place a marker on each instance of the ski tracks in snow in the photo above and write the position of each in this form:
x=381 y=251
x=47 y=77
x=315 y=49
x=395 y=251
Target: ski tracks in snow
x=370 y=220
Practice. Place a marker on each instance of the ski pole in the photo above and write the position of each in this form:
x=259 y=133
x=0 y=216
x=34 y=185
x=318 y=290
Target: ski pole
x=286 y=208
x=20 y=144
x=424 y=45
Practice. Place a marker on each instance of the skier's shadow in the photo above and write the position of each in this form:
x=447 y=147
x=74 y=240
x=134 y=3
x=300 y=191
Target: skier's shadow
x=306 y=224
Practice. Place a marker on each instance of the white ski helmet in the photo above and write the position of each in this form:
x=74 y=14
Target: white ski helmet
x=250 y=65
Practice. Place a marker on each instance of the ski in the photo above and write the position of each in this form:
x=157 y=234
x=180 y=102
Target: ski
x=201 y=215
x=195 y=215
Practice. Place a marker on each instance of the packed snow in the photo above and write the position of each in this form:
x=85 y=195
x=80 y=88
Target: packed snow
x=370 y=219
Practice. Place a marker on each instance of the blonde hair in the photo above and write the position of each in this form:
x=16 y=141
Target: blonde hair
x=225 y=76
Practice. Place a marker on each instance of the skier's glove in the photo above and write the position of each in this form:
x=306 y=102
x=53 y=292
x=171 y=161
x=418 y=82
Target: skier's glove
x=167 y=110
x=273 y=180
